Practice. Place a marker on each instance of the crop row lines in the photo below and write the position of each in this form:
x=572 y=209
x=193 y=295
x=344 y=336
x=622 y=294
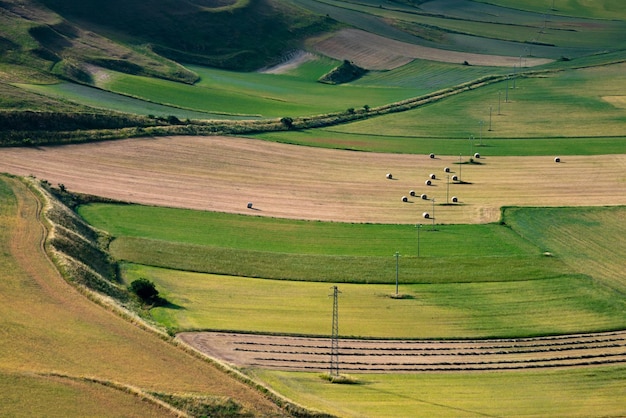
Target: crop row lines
x=427 y=352
x=390 y=363
x=449 y=368
x=448 y=365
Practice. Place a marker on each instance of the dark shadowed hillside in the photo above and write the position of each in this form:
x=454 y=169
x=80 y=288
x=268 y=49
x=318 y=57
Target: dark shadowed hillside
x=244 y=35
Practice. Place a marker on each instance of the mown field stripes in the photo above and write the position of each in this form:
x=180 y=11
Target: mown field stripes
x=401 y=356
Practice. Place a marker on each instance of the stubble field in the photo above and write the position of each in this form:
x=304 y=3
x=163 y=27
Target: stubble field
x=225 y=174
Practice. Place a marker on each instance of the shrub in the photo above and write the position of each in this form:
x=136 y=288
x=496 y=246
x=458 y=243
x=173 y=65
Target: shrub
x=145 y=290
x=287 y=122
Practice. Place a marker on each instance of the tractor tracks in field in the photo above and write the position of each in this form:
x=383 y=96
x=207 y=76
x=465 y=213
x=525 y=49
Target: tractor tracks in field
x=409 y=356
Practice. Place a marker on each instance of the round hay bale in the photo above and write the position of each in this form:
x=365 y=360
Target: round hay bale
x=412 y=192
x=557 y=159
x=455 y=178
x=426 y=215
x=405 y=199
x=423 y=196
x=428 y=182
x=447 y=169
x=249 y=205
x=476 y=155
x=432 y=176
x=455 y=199
x=389 y=176
x=432 y=155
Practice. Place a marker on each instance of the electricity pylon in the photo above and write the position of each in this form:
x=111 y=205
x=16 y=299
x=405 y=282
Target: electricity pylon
x=334 y=350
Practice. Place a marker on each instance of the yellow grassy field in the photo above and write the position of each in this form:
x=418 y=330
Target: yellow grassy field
x=47 y=327
x=224 y=174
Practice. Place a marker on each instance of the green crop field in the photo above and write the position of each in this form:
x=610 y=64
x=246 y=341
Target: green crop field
x=555 y=305
x=571 y=393
x=102 y=99
x=477 y=278
x=254 y=94
x=315 y=251
x=374 y=142
x=526 y=109
x=607 y=9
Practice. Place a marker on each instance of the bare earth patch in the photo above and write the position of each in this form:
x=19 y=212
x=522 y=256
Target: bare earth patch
x=294 y=60
x=375 y=52
x=223 y=174
x=617 y=101
x=384 y=356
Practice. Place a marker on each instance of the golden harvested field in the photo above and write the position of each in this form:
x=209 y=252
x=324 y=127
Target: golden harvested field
x=224 y=174
x=49 y=327
x=375 y=52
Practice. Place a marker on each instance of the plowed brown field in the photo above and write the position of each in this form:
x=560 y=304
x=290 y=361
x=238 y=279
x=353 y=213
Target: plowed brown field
x=375 y=52
x=224 y=174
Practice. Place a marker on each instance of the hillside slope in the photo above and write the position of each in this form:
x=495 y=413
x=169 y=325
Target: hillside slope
x=54 y=336
x=242 y=35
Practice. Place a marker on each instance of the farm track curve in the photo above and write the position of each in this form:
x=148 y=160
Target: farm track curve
x=408 y=356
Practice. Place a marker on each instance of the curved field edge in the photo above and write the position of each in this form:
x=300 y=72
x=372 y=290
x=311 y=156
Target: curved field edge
x=42 y=303
x=507 y=257
x=56 y=395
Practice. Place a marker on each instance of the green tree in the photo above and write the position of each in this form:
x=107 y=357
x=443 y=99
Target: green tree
x=145 y=290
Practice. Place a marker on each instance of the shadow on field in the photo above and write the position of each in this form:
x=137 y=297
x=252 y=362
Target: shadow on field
x=170 y=305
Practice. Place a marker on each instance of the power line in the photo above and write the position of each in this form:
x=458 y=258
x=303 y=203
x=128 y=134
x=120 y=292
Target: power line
x=334 y=341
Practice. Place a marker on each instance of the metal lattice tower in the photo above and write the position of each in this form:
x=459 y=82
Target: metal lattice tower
x=334 y=350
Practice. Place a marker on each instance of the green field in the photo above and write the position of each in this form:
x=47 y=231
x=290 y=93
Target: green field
x=606 y=9
x=255 y=94
x=572 y=393
x=103 y=99
x=476 y=280
x=532 y=307
x=374 y=142
x=240 y=245
x=576 y=97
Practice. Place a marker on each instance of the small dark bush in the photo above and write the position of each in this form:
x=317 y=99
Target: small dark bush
x=146 y=291
x=287 y=122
